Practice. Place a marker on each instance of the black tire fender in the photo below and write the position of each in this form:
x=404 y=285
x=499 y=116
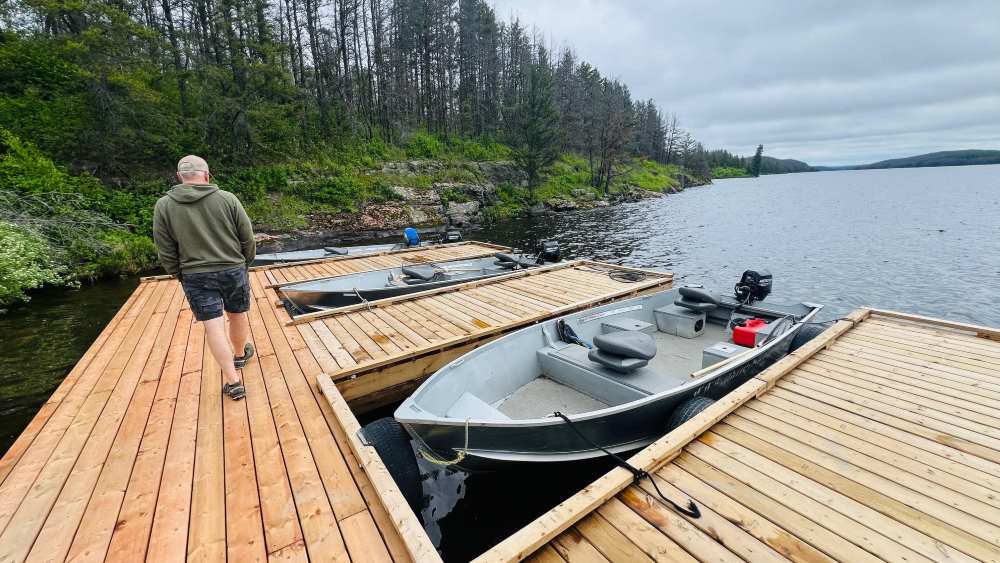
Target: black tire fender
x=392 y=443
x=687 y=410
x=805 y=334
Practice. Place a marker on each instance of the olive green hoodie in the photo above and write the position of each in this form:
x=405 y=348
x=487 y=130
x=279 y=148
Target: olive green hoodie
x=200 y=228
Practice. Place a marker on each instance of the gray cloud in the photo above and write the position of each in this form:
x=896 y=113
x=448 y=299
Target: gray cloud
x=826 y=82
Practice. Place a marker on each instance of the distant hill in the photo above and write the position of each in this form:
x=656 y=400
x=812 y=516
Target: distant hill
x=942 y=158
x=771 y=165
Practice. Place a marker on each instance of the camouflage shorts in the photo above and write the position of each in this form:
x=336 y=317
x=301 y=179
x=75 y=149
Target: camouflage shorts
x=209 y=293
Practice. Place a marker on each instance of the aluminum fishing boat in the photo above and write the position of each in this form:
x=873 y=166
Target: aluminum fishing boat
x=350 y=289
x=410 y=240
x=616 y=377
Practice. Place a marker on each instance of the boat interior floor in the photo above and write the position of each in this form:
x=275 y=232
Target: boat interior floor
x=542 y=397
x=570 y=382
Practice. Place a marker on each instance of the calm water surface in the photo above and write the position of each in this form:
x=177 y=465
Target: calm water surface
x=919 y=240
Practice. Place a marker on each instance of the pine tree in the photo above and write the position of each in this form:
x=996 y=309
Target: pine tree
x=538 y=146
x=755 y=163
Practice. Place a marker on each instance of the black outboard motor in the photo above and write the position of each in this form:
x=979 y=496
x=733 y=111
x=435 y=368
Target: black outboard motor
x=753 y=286
x=549 y=252
x=452 y=236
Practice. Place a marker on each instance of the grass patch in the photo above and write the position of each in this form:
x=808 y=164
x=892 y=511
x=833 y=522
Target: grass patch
x=648 y=175
x=570 y=172
x=720 y=172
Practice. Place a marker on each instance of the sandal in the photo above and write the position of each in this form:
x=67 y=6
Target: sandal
x=247 y=354
x=236 y=391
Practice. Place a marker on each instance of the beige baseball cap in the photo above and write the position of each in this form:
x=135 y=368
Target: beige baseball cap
x=192 y=163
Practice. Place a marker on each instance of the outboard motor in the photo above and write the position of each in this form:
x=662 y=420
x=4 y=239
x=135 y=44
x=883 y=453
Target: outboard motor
x=753 y=286
x=452 y=236
x=549 y=252
x=411 y=237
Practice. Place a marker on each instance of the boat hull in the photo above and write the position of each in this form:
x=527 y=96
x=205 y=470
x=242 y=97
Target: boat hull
x=324 y=300
x=292 y=256
x=495 y=446
x=497 y=405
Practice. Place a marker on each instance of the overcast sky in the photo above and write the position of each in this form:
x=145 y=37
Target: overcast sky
x=826 y=82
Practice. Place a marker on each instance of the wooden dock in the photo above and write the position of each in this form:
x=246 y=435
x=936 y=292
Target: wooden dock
x=138 y=456
x=878 y=440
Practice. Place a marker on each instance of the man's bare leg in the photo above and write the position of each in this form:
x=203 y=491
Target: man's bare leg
x=215 y=335
x=239 y=331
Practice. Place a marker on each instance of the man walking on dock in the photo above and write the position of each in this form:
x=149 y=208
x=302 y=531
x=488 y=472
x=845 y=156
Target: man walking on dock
x=204 y=237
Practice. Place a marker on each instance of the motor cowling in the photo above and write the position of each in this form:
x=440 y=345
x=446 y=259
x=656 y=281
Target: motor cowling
x=549 y=251
x=755 y=285
x=453 y=236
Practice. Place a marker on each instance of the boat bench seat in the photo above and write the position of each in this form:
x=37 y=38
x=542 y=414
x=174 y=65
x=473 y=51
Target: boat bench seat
x=572 y=366
x=471 y=406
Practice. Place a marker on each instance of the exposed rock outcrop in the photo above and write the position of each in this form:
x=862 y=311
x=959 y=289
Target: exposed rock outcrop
x=450 y=195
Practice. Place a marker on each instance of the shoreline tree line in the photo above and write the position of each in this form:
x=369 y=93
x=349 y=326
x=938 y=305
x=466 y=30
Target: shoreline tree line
x=100 y=98
x=122 y=87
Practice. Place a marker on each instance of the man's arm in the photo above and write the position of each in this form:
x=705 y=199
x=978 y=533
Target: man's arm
x=166 y=245
x=245 y=231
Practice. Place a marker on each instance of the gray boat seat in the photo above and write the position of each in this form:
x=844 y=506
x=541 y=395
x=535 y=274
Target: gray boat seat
x=425 y=273
x=335 y=250
x=618 y=363
x=510 y=261
x=623 y=351
x=697 y=299
x=627 y=343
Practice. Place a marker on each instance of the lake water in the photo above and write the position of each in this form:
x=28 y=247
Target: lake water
x=920 y=240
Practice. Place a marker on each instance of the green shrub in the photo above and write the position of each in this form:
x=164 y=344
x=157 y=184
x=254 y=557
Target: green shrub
x=25 y=263
x=279 y=212
x=479 y=150
x=453 y=195
x=424 y=145
x=113 y=253
x=570 y=172
x=511 y=202
x=253 y=184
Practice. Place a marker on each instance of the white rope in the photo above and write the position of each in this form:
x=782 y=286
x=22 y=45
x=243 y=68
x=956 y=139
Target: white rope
x=363 y=300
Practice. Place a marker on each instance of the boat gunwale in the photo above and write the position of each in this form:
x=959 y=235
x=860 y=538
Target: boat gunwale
x=288 y=286
x=397 y=252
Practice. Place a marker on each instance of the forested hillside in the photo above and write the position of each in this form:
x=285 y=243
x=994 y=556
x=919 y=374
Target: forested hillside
x=296 y=104
x=942 y=158
x=724 y=164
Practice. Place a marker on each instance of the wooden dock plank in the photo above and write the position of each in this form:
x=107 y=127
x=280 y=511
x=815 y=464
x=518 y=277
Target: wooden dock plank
x=878 y=440
x=206 y=531
x=278 y=513
x=112 y=395
x=126 y=457
x=22 y=474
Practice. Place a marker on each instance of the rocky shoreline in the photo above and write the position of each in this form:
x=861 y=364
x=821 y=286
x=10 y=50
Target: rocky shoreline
x=441 y=205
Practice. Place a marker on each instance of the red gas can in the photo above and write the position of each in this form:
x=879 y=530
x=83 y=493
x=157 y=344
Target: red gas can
x=746 y=335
